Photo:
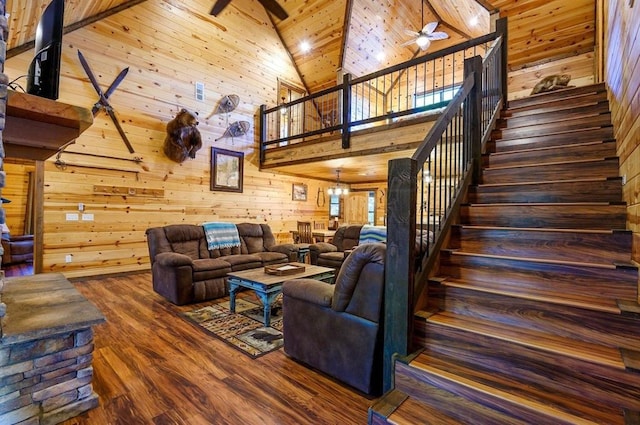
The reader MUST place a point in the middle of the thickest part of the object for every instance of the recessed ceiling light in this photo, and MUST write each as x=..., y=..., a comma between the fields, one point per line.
x=380, y=56
x=474, y=21
x=305, y=46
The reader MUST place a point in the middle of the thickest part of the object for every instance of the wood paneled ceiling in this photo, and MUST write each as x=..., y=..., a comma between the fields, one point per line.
x=349, y=35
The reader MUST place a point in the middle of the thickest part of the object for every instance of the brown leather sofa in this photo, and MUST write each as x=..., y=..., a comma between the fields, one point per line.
x=332, y=254
x=338, y=329
x=185, y=271
x=17, y=249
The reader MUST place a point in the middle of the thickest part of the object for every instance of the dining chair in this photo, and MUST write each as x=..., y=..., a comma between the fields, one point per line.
x=304, y=239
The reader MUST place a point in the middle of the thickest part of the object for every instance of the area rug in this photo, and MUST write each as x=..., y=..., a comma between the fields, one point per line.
x=244, y=329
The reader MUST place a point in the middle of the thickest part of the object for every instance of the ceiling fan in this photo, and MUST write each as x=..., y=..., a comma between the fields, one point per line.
x=425, y=36
x=271, y=5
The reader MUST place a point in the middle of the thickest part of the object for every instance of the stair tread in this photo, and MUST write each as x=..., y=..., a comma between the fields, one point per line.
x=609, y=266
x=595, y=302
x=589, y=352
x=586, y=179
x=538, y=230
x=542, y=164
x=504, y=390
x=547, y=148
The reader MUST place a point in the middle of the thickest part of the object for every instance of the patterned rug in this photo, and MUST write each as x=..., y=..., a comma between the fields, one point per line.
x=243, y=330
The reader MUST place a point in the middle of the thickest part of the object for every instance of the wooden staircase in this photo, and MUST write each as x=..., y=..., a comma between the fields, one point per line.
x=533, y=315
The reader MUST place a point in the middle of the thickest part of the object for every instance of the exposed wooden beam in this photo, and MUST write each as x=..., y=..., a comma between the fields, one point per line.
x=488, y=6
x=77, y=25
x=348, y=10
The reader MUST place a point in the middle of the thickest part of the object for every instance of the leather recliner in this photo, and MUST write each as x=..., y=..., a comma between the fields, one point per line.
x=338, y=329
x=332, y=254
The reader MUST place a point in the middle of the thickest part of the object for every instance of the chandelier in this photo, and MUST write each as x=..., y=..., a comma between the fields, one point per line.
x=337, y=189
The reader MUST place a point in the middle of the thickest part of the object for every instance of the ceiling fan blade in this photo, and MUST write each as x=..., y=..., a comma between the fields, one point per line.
x=411, y=32
x=429, y=28
x=438, y=35
x=406, y=43
x=273, y=7
x=218, y=6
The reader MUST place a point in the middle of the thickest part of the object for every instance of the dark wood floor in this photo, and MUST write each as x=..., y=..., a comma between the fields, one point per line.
x=152, y=367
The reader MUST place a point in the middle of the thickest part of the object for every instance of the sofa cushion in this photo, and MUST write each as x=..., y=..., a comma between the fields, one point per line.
x=242, y=261
x=210, y=268
x=253, y=237
x=272, y=257
x=188, y=240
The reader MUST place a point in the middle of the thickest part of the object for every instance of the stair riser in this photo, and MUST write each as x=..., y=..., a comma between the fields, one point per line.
x=545, y=141
x=536, y=117
x=601, y=217
x=608, y=329
x=604, y=190
x=601, y=120
x=564, y=97
x=558, y=106
x=594, y=151
x=532, y=367
x=524, y=276
x=600, y=248
x=548, y=172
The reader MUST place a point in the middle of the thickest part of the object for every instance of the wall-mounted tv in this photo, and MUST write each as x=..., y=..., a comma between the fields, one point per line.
x=43, y=78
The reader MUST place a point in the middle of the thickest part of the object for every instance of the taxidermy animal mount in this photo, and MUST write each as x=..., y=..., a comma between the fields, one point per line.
x=183, y=138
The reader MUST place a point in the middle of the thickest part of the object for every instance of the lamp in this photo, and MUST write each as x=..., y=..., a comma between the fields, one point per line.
x=283, y=108
x=337, y=189
x=423, y=41
x=427, y=177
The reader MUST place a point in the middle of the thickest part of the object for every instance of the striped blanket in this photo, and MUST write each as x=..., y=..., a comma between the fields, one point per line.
x=221, y=235
x=370, y=234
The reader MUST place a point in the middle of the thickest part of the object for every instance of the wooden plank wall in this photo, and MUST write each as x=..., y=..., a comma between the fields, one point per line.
x=167, y=47
x=622, y=73
x=547, y=38
x=16, y=191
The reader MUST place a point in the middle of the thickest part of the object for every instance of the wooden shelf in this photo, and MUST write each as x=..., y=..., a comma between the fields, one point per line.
x=37, y=127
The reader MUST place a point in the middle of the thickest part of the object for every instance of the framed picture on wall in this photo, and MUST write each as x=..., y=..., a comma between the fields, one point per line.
x=299, y=192
x=227, y=168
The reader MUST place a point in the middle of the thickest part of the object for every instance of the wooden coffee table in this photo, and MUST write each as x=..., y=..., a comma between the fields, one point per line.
x=267, y=286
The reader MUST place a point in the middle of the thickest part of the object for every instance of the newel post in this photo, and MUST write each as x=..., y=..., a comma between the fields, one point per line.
x=399, y=264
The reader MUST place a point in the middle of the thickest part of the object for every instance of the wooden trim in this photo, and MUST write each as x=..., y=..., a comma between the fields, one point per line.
x=38, y=219
x=77, y=25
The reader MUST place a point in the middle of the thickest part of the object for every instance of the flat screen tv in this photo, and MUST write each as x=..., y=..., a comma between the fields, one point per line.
x=43, y=78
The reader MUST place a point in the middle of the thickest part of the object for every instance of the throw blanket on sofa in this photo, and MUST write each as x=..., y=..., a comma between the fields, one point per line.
x=221, y=235
x=369, y=234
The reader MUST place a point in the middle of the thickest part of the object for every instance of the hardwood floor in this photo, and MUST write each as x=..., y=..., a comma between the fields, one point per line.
x=152, y=367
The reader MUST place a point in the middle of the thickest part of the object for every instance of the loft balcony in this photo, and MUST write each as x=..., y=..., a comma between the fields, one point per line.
x=387, y=116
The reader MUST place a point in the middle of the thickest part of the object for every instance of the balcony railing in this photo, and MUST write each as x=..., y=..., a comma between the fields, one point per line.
x=405, y=90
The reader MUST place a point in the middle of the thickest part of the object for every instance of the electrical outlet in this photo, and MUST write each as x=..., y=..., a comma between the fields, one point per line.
x=68, y=258
x=624, y=179
x=80, y=206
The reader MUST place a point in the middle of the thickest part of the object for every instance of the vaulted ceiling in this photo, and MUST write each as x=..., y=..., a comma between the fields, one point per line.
x=362, y=36
x=356, y=36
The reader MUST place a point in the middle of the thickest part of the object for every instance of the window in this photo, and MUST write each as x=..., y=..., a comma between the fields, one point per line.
x=335, y=206
x=371, y=208
x=435, y=97
x=290, y=118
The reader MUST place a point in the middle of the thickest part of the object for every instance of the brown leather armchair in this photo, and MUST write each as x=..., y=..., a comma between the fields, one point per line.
x=17, y=249
x=338, y=328
x=333, y=254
